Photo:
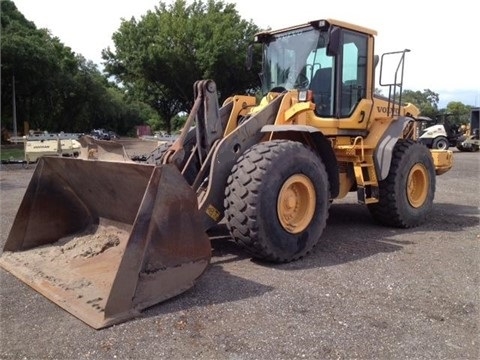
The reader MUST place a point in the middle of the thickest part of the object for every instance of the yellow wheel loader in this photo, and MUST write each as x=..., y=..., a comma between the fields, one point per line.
x=105, y=237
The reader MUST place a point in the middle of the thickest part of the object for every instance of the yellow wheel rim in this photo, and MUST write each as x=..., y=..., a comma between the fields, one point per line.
x=417, y=185
x=296, y=203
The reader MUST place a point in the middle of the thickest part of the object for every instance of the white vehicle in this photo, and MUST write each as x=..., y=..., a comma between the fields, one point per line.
x=35, y=148
x=441, y=134
x=435, y=137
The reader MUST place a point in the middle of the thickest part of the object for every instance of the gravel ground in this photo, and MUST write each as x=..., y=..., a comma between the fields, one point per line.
x=366, y=292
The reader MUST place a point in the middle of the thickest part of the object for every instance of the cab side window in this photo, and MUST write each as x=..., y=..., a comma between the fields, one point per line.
x=354, y=71
x=321, y=75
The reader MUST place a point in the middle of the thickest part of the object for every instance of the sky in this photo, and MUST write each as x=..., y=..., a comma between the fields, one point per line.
x=442, y=36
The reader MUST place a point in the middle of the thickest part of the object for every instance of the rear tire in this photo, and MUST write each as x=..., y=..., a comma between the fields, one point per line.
x=440, y=143
x=277, y=200
x=406, y=195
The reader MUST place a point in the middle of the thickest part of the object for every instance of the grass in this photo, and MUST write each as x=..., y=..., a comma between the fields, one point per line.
x=12, y=153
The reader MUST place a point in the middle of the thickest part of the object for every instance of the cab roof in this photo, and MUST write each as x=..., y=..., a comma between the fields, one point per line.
x=339, y=23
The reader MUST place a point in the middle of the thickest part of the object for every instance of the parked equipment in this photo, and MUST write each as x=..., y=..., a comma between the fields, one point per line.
x=35, y=149
x=470, y=140
x=105, y=237
x=439, y=133
x=43, y=143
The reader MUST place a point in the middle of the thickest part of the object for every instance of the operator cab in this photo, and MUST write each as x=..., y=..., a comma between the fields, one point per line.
x=328, y=57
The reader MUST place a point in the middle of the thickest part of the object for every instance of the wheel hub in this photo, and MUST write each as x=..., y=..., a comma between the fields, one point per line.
x=417, y=185
x=296, y=203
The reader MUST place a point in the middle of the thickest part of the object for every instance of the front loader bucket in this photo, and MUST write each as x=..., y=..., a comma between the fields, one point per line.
x=105, y=240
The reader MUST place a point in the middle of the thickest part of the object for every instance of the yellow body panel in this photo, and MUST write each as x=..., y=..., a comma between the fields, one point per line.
x=443, y=160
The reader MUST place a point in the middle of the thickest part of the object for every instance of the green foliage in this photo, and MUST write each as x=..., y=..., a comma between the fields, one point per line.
x=159, y=57
x=459, y=113
x=179, y=120
x=12, y=153
x=56, y=89
x=426, y=101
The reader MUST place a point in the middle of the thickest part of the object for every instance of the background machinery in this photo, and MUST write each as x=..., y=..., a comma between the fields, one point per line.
x=43, y=143
x=438, y=133
x=469, y=140
x=105, y=237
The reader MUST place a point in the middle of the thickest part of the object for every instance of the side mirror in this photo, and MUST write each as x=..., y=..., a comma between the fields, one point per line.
x=333, y=46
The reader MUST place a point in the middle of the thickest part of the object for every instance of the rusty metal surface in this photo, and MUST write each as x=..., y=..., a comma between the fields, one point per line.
x=105, y=150
x=66, y=195
x=105, y=240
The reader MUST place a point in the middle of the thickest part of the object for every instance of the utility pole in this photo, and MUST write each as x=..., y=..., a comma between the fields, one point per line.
x=15, y=134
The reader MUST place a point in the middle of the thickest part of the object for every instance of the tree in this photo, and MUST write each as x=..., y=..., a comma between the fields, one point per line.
x=56, y=89
x=158, y=58
x=29, y=57
x=460, y=113
x=426, y=101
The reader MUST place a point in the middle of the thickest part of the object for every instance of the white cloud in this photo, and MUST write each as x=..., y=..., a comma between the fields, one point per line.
x=86, y=26
x=442, y=36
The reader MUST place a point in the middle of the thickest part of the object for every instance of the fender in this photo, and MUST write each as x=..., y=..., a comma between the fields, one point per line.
x=383, y=153
x=323, y=147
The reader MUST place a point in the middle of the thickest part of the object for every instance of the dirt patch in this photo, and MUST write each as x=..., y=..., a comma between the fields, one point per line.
x=92, y=242
x=65, y=263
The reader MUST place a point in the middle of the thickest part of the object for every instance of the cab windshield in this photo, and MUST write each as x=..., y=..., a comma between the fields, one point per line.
x=291, y=59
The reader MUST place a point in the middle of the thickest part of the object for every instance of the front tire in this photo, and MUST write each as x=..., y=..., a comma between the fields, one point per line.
x=155, y=157
x=406, y=195
x=277, y=200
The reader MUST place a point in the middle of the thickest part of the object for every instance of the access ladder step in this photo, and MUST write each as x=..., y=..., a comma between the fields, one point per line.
x=367, y=183
x=367, y=194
